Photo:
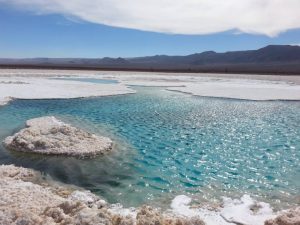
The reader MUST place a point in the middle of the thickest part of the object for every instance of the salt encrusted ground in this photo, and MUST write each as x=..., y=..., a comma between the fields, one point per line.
x=28, y=198
x=50, y=136
x=289, y=217
x=24, y=201
x=31, y=86
x=35, y=84
x=242, y=89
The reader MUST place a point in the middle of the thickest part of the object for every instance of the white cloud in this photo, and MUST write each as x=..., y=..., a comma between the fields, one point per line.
x=269, y=17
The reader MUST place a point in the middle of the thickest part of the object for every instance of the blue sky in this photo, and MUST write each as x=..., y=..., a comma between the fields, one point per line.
x=27, y=34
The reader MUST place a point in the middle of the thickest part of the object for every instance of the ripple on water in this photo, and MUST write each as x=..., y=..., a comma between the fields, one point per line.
x=170, y=143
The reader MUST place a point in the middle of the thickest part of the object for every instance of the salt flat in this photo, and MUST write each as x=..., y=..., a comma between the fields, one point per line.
x=257, y=88
x=31, y=86
x=243, y=89
x=37, y=84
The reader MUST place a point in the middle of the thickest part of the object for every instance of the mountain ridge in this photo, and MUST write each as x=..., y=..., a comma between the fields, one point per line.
x=270, y=59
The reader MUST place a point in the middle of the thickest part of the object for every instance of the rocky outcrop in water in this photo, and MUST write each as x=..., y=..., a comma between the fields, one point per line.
x=290, y=217
x=27, y=201
x=48, y=135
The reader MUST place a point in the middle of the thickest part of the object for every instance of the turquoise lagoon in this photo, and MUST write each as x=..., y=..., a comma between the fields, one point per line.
x=169, y=143
x=88, y=80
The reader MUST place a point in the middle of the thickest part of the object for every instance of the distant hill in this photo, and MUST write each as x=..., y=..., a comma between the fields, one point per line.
x=276, y=59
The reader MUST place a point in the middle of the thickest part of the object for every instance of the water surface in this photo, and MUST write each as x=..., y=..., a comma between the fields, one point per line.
x=88, y=80
x=168, y=143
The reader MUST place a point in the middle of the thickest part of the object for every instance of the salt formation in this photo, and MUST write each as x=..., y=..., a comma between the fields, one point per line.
x=27, y=198
x=149, y=216
x=289, y=217
x=48, y=135
x=35, y=84
x=25, y=202
x=244, y=211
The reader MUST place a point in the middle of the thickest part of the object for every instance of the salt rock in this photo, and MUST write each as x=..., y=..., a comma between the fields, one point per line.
x=289, y=217
x=50, y=136
x=25, y=203
x=147, y=215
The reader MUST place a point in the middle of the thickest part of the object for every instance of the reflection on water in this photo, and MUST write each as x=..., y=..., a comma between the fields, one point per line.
x=169, y=143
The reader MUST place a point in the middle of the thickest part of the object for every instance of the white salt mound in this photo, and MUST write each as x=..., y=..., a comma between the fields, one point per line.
x=48, y=135
x=23, y=202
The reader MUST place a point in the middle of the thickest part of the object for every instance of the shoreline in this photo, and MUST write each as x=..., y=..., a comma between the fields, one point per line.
x=37, y=99
x=53, y=202
x=53, y=194
x=241, y=99
x=188, y=91
x=14, y=86
x=35, y=84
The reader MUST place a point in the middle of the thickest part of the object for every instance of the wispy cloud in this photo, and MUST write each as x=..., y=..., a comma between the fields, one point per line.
x=268, y=17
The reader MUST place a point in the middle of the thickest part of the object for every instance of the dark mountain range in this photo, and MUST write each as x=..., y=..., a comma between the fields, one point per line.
x=276, y=59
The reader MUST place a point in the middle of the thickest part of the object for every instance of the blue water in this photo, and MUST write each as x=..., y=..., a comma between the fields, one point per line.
x=168, y=143
x=88, y=80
